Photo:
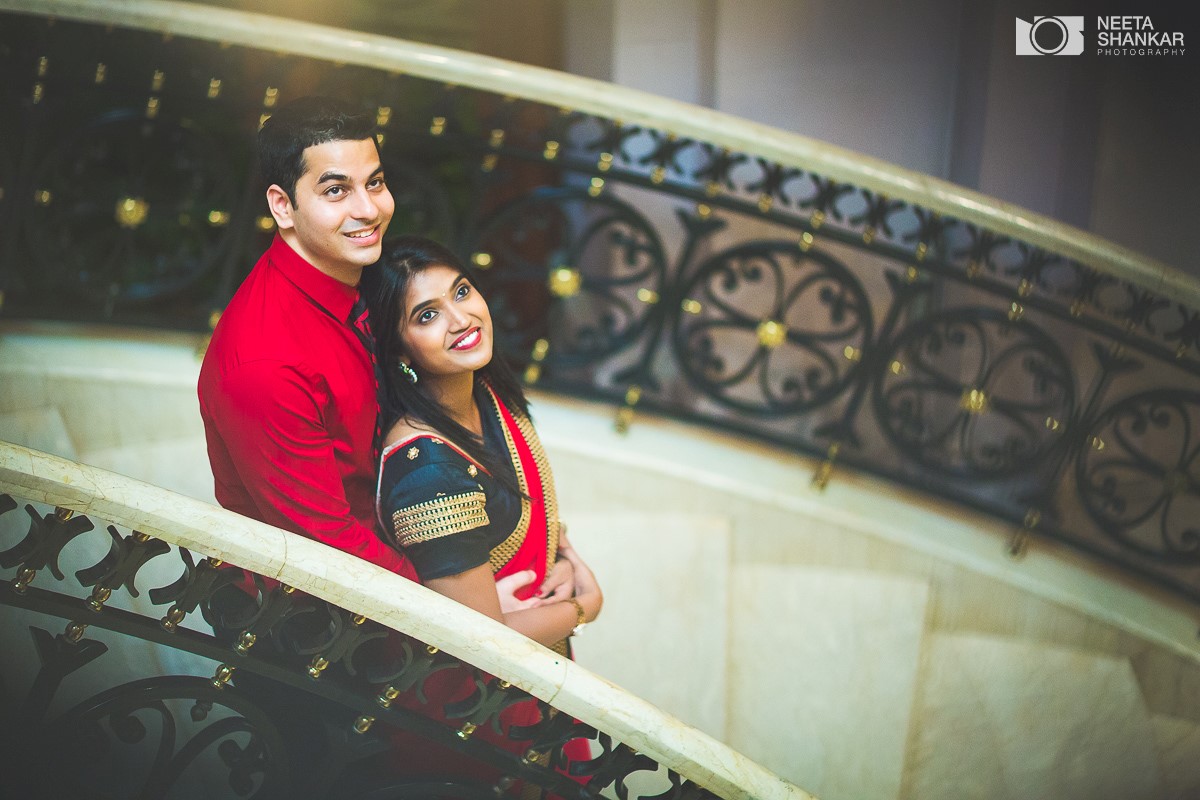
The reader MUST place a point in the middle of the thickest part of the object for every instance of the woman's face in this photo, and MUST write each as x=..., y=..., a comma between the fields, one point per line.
x=445, y=326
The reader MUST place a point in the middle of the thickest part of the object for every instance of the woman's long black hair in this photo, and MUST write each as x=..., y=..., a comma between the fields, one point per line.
x=385, y=287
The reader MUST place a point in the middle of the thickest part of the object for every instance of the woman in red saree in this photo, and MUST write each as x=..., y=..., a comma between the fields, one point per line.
x=465, y=490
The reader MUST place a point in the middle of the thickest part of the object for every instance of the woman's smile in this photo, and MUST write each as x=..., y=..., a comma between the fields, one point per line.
x=469, y=340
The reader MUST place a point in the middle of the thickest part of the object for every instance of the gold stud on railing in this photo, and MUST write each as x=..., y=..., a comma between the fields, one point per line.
x=465, y=731
x=1077, y=308
x=270, y=97
x=1052, y=424
x=245, y=642
x=1096, y=443
x=896, y=367
x=625, y=414
x=817, y=219
x=358, y=620
x=647, y=296
x=550, y=151
x=1019, y=542
x=23, y=579
x=317, y=666
x=262, y=120
x=912, y=275
x=63, y=514
x=1024, y=288
x=39, y=91
x=221, y=678
x=489, y=162
x=388, y=696
x=431, y=649
x=43, y=197
x=43, y=66
x=152, y=104
x=691, y=306
x=264, y=223
x=157, y=80
x=604, y=164
x=74, y=632
x=806, y=241
x=503, y=685
x=922, y=251
x=171, y=621
x=214, y=88
x=363, y=724
x=765, y=202
x=771, y=333
x=1015, y=312
x=565, y=282
x=658, y=174
x=99, y=597
x=852, y=353
x=703, y=210
x=101, y=73
x=383, y=116
x=820, y=479
x=534, y=371
x=482, y=259
x=437, y=126
x=868, y=235
x=974, y=401
x=595, y=187
x=496, y=138
x=217, y=218
x=131, y=212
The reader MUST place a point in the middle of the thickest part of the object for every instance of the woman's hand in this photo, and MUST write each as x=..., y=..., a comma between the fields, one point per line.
x=560, y=583
x=587, y=588
x=507, y=588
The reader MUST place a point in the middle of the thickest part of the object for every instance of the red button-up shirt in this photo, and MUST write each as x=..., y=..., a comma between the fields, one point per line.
x=287, y=394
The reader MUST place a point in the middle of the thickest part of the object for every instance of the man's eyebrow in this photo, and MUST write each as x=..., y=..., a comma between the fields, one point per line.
x=419, y=307
x=332, y=176
x=341, y=177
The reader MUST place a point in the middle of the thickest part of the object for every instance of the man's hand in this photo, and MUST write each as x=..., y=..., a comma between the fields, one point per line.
x=507, y=588
x=560, y=583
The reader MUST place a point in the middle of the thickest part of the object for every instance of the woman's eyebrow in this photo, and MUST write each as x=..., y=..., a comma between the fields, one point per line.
x=419, y=307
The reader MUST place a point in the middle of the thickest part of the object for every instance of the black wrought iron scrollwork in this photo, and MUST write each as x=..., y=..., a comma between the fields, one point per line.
x=623, y=262
x=306, y=699
x=130, y=209
x=588, y=269
x=1139, y=477
x=971, y=392
x=769, y=329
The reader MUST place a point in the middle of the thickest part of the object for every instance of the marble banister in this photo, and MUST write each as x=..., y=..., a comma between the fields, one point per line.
x=391, y=600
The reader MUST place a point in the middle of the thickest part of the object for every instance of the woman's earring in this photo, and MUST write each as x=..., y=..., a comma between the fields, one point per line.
x=408, y=372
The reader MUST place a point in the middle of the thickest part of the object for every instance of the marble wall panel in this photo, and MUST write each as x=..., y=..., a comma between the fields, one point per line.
x=662, y=633
x=39, y=428
x=824, y=665
x=1002, y=719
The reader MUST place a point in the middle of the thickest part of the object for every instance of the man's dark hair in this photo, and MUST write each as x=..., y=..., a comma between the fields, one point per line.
x=303, y=123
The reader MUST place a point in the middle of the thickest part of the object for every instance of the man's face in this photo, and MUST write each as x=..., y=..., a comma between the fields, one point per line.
x=342, y=208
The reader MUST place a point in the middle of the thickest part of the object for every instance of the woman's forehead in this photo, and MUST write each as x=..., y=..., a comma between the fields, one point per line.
x=432, y=283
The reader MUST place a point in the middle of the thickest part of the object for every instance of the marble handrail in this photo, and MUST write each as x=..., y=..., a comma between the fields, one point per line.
x=391, y=600
x=633, y=106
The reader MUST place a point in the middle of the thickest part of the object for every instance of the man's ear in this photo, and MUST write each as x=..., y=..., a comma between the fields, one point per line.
x=281, y=207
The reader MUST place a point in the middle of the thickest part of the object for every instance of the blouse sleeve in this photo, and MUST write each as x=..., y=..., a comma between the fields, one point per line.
x=437, y=515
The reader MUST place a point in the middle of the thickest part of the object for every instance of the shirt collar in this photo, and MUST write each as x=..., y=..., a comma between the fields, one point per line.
x=329, y=293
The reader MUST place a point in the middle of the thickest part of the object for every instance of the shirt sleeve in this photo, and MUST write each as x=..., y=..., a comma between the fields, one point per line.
x=271, y=418
x=438, y=515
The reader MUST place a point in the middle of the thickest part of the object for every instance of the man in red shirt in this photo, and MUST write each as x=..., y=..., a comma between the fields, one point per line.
x=287, y=388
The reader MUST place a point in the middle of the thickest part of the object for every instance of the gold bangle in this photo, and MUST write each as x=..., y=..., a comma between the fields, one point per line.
x=580, y=616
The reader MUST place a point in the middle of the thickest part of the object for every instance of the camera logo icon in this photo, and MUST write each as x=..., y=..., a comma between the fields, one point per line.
x=1050, y=36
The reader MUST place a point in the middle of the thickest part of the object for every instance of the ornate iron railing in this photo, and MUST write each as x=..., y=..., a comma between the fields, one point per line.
x=306, y=689
x=669, y=258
